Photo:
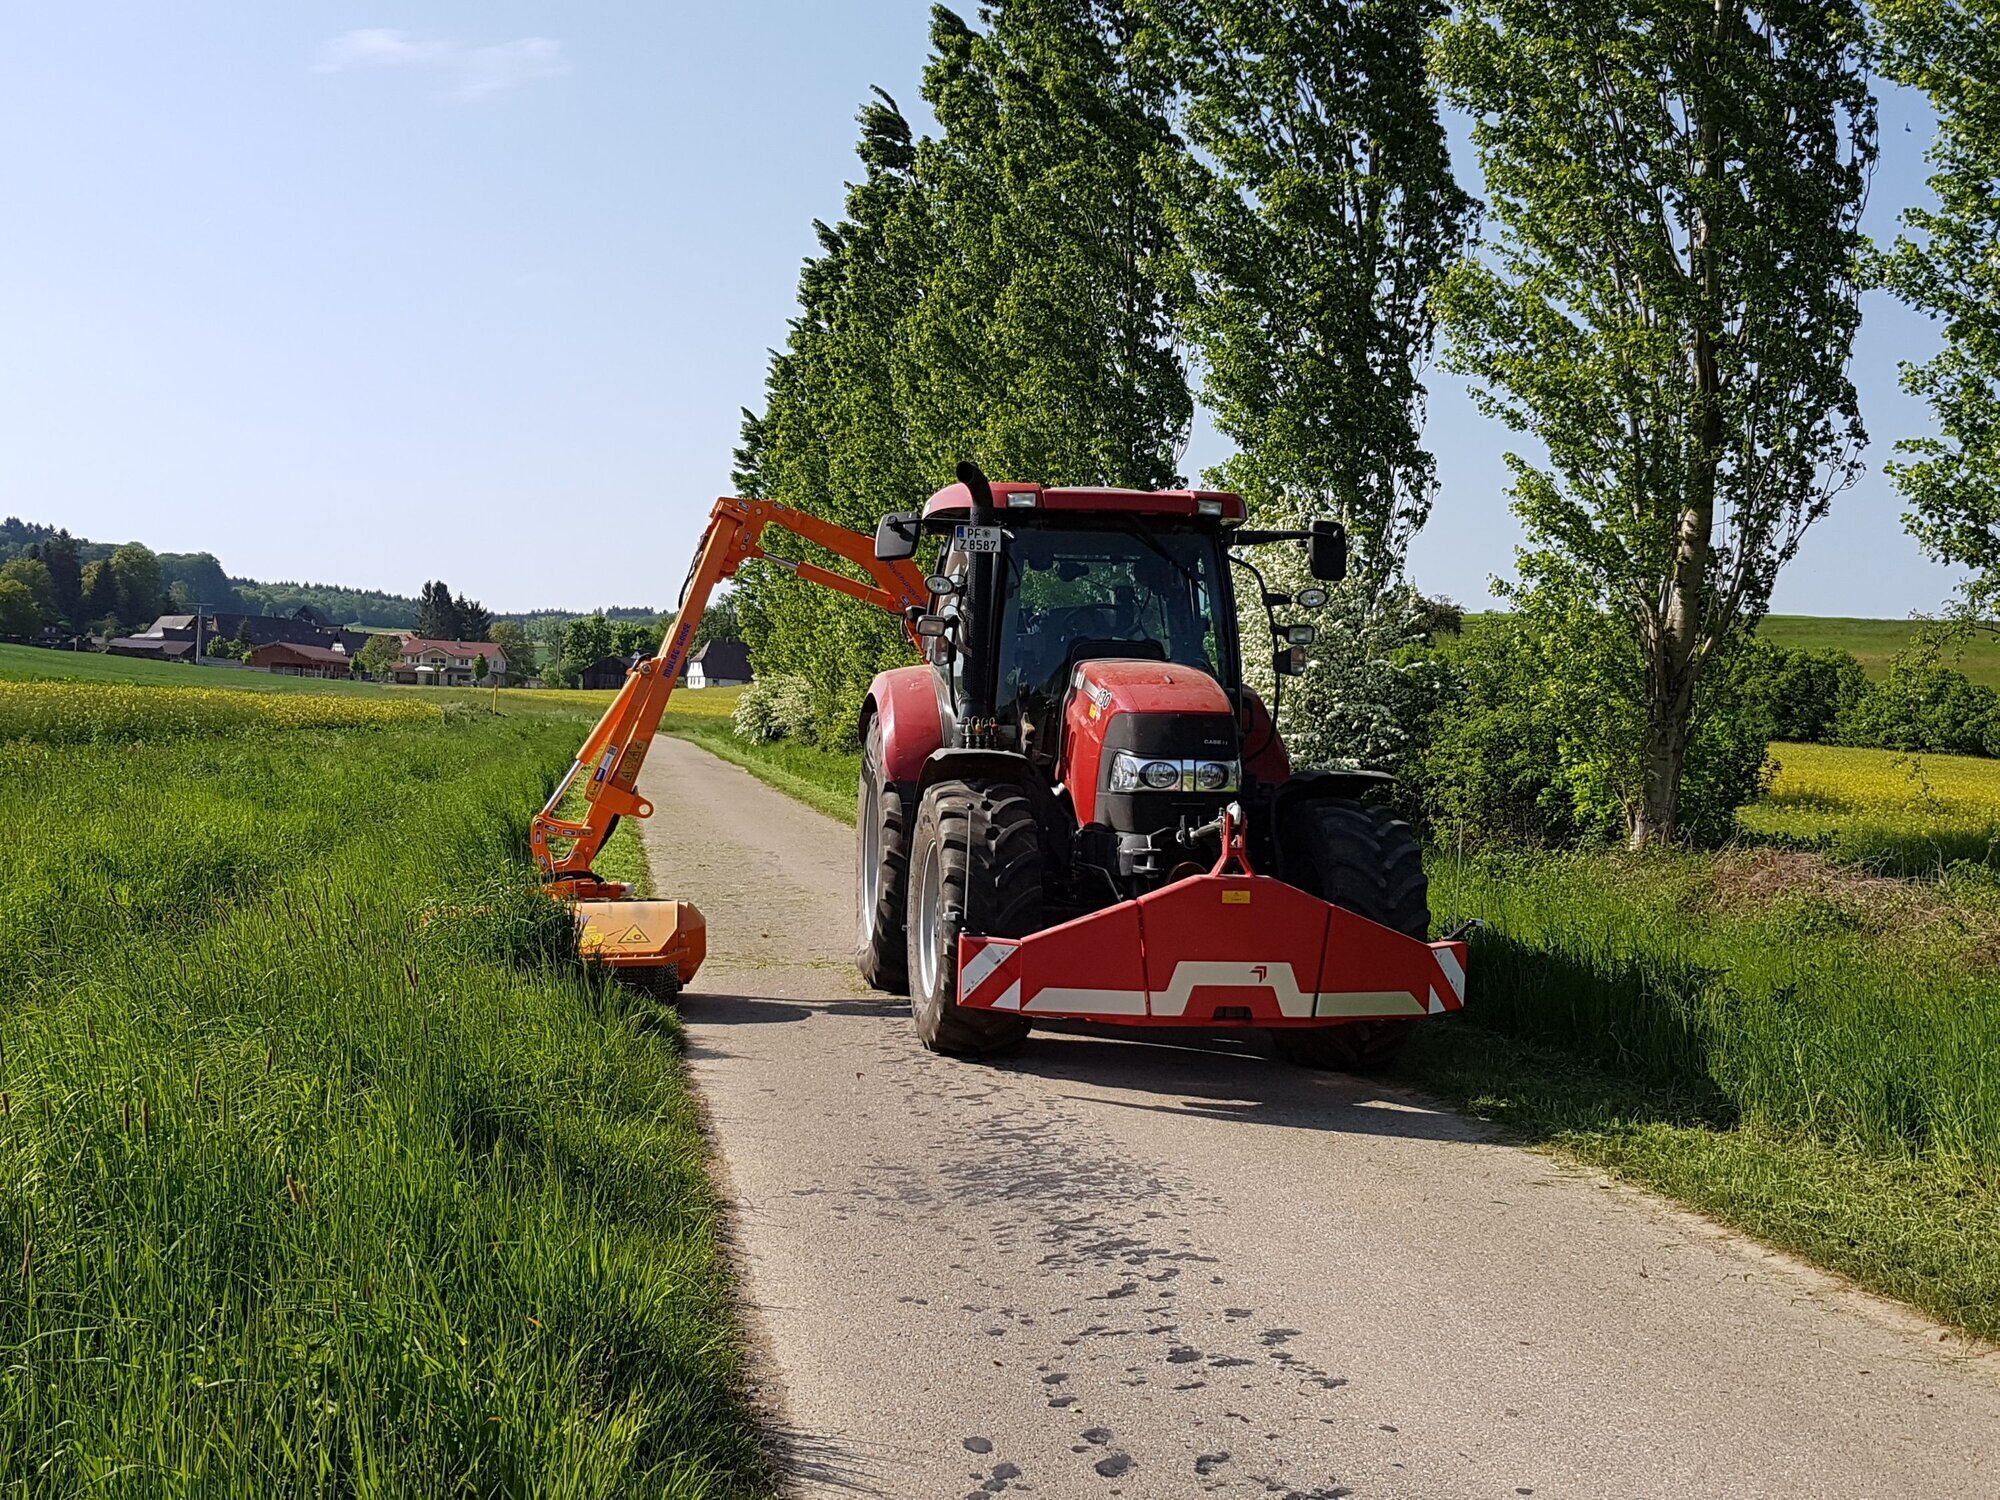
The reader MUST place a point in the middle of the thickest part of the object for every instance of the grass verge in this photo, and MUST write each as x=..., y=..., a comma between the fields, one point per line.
x=1926, y=1232
x=822, y=779
x=324, y=1166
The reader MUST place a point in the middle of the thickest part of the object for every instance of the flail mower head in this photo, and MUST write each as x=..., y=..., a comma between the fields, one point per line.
x=652, y=937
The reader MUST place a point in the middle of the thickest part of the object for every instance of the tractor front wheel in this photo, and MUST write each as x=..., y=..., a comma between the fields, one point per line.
x=975, y=866
x=882, y=842
x=1365, y=859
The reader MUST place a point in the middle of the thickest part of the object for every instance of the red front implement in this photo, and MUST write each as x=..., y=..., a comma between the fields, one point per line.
x=1221, y=949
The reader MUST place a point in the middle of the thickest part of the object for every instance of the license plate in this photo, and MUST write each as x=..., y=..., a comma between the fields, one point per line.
x=976, y=538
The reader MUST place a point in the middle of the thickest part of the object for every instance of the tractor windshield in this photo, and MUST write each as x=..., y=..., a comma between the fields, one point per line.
x=1150, y=587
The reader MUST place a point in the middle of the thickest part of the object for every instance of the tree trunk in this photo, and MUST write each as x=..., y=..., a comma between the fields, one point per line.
x=1663, y=754
x=1673, y=665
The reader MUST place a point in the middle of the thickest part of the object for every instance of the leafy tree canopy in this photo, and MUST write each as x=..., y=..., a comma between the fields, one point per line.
x=1948, y=267
x=1669, y=308
x=19, y=615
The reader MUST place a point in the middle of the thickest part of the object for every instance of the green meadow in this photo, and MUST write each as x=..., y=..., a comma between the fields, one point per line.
x=325, y=1167
x=1877, y=643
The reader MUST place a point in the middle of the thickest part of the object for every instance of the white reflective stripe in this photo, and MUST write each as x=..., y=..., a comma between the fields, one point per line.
x=982, y=963
x=1454, y=972
x=1010, y=998
x=1192, y=974
x=1089, y=1002
x=1436, y=1005
x=1367, y=1003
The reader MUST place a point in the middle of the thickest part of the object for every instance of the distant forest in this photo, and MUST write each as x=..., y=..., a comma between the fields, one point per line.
x=198, y=578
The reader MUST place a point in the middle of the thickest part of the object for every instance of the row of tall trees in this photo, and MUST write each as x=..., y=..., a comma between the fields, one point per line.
x=1128, y=200
x=994, y=291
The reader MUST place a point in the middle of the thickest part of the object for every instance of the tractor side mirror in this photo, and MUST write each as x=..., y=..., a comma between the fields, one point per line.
x=896, y=537
x=936, y=632
x=1289, y=661
x=1327, y=551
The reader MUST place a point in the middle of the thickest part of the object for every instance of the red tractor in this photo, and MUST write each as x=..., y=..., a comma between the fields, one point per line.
x=1076, y=809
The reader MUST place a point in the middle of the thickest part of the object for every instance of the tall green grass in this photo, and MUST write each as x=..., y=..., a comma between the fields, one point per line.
x=1815, y=1010
x=324, y=1167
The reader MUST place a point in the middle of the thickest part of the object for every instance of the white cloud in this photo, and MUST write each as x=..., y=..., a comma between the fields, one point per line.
x=488, y=70
x=472, y=72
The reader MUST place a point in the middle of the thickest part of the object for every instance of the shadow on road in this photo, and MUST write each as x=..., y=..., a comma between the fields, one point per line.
x=1230, y=1077
x=823, y=1461
x=710, y=1008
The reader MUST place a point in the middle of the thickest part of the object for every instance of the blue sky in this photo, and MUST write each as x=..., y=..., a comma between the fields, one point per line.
x=475, y=291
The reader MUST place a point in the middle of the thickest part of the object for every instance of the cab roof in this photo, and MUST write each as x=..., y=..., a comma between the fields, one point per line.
x=956, y=500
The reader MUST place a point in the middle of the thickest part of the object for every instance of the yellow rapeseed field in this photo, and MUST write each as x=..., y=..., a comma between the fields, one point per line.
x=1909, y=812
x=74, y=713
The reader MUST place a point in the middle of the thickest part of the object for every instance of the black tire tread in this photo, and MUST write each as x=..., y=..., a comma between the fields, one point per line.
x=1365, y=859
x=992, y=872
x=880, y=949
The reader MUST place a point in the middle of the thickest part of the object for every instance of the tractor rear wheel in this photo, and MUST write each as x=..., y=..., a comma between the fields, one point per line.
x=975, y=866
x=882, y=841
x=1366, y=860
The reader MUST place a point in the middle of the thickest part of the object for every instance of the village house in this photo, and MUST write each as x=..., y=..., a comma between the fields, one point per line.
x=606, y=672
x=719, y=664
x=447, y=663
x=288, y=660
x=186, y=638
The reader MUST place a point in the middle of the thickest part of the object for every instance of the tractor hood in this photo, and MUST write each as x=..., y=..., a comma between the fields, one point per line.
x=1147, y=687
x=1153, y=709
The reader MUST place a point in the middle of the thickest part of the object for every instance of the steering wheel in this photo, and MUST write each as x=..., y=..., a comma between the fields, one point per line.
x=1084, y=622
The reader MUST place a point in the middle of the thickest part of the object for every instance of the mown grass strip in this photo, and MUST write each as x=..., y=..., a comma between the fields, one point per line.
x=824, y=780
x=324, y=1167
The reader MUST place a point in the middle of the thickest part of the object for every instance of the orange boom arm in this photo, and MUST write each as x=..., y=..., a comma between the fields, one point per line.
x=616, y=748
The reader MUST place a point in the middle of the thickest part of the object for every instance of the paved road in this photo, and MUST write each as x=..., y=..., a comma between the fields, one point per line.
x=1119, y=1268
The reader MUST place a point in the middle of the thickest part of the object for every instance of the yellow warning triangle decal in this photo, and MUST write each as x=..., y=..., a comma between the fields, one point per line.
x=633, y=935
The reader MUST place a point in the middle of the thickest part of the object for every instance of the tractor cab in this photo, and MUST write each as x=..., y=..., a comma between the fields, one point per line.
x=1076, y=581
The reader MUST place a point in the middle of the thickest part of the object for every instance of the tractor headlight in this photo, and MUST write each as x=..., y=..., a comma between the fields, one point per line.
x=1215, y=776
x=1132, y=773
